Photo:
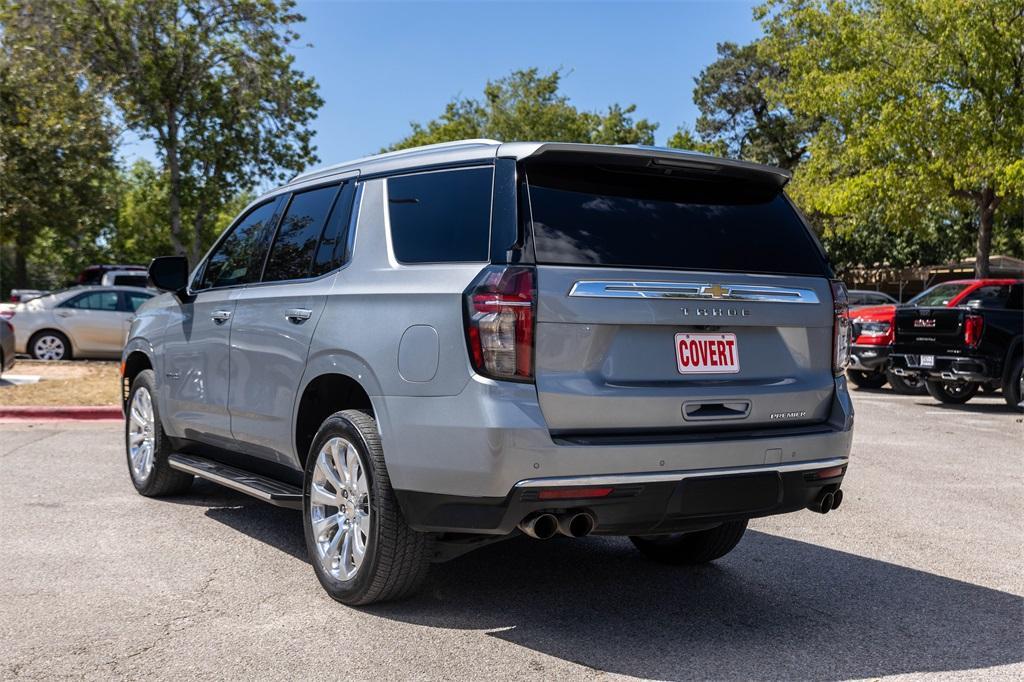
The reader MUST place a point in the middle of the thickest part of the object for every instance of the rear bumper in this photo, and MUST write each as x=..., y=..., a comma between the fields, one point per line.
x=638, y=504
x=457, y=461
x=948, y=368
x=869, y=358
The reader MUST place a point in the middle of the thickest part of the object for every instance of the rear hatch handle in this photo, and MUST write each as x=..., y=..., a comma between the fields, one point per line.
x=712, y=411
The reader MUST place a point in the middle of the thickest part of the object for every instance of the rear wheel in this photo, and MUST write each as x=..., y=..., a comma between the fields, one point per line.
x=863, y=379
x=362, y=549
x=1013, y=387
x=951, y=392
x=699, y=547
x=49, y=345
x=909, y=385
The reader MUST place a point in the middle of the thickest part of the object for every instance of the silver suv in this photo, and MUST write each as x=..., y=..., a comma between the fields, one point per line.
x=430, y=350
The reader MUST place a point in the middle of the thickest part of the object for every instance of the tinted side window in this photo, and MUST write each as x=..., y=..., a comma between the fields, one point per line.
x=239, y=258
x=441, y=217
x=988, y=296
x=1015, y=301
x=97, y=300
x=134, y=299
x=297, y=237
x=331, y=251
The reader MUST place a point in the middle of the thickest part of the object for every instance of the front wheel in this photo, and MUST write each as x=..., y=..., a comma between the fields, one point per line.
x=362, y=549
x=147, y=446
x=908, y=385
x=863, y=379
x=700, y=547
x=951, y=392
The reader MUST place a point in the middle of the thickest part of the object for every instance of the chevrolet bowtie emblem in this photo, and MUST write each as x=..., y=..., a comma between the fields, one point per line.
x=715, y=291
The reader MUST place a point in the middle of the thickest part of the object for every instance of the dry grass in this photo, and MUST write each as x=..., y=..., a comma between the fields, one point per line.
x=75, y=382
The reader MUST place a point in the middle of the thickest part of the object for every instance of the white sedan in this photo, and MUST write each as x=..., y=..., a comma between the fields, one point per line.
x=81, y=322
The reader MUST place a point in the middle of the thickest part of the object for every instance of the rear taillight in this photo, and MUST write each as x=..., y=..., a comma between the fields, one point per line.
x=973, y=326
x=500, y=308
x=840, y=327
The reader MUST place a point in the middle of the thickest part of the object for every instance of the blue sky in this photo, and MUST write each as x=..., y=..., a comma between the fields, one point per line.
x=381, y=65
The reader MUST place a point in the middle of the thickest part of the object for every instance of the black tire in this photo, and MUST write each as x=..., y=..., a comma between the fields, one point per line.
x=38, y=336
x=1013, y=387
x=906, y=385
x=397, y=559
x=862, y=379
x=951, y=392
x=700, y=547
x=160, y=480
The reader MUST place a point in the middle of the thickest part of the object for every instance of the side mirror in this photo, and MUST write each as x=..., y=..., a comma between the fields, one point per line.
x=170, y=273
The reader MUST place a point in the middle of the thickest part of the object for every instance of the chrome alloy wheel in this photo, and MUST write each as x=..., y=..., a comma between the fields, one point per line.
x=141, y=434
x=49, y=348
x=339, y=509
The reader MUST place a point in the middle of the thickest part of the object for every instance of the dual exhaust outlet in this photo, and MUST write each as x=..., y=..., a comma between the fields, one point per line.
x=545, y=525
x=826, y=502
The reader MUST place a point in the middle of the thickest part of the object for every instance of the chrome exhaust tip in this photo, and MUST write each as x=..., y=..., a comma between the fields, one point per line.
x=576, y=525
x=540, y=527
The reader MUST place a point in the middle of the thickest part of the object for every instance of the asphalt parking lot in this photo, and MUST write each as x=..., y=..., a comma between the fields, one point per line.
x=919, y=572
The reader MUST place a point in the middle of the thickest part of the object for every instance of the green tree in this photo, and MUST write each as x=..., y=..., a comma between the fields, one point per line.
x=736, y=113
x=142, y=229
x=684, y=138
x=56, y=155
x=527, y=105
x=211, y=83
x=921, y=104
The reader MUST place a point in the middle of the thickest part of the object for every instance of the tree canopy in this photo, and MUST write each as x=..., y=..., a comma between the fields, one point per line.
x=212, y=83
x=920, y=105
x=528, y=105
x=56, y=151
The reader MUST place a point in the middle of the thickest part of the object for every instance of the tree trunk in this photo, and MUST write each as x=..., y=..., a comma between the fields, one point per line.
x=20, y=267
x=987, y=202
x=174, y=167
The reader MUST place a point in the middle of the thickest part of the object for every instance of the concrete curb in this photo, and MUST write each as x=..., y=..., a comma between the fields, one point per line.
x=60, y=412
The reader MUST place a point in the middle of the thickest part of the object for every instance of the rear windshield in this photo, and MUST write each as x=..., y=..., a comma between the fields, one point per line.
x=589, y=215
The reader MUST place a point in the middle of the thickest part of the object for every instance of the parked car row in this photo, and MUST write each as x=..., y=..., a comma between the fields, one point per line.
x=80, y=322
x=949, y=320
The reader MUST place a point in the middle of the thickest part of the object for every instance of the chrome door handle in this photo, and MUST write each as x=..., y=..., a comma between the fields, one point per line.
x=220, y=316
x=297, y=315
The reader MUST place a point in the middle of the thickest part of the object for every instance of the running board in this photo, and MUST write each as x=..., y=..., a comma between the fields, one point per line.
x=260, y=487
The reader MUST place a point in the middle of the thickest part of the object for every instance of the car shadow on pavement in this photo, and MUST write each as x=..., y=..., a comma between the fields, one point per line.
x=277, y=527
x=1000, y=407
x=774, y=609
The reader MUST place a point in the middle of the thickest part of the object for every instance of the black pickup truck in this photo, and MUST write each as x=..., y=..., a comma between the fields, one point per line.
x=959, y=350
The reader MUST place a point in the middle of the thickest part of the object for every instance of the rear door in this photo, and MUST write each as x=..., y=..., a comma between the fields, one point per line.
x=275, y=319
x=671, y=304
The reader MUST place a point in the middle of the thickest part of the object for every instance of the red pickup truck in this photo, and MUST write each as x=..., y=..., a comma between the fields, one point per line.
x=873, y=332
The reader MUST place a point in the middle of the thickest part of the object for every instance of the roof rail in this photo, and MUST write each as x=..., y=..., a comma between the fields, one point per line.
x=478, y=142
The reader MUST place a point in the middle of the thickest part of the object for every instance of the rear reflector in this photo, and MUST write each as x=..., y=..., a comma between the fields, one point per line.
x=829, y=473
x=573, y=493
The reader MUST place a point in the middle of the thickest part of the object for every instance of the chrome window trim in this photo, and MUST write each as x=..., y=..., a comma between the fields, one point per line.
x=629, y=479
x=699, y=291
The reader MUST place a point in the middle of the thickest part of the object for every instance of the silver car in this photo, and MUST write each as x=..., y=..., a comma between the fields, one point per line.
x=430, y=350
x=81, y=322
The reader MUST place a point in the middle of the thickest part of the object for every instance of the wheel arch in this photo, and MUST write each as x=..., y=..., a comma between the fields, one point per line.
x=1016, y=348
x=322, y=396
